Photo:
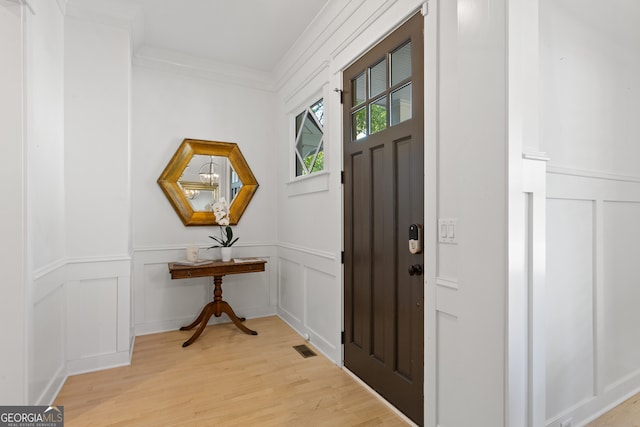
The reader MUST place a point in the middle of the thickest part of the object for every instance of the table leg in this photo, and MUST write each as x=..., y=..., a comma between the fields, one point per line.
x=224, y=307
x=204, y=317
x=215, y=308
x=197, y=321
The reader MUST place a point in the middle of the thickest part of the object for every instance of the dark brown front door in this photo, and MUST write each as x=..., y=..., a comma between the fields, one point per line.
x=383, y=196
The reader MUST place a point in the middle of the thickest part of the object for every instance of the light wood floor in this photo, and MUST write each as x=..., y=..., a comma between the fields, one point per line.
x=625, y=415
x=225, y=378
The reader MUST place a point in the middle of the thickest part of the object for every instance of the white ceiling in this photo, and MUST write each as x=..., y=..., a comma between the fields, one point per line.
x=249, y=33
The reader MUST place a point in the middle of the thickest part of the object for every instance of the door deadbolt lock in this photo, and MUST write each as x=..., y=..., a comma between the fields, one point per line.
x=415, y=270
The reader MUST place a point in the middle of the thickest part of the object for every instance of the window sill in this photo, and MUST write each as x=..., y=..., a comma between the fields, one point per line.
x=314, y=183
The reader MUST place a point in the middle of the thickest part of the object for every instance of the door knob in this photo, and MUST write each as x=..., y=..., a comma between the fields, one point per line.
x=415, y=269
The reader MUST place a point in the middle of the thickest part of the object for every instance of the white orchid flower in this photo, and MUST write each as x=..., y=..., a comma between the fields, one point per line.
x=221, y=211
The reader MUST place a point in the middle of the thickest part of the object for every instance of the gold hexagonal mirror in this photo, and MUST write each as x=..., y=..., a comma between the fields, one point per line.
x=200, y=173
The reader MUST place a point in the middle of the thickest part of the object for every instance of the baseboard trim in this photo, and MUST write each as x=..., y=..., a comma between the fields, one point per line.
x=319, y=343
x=48, y=396
x=99, y=363
x=612, y=405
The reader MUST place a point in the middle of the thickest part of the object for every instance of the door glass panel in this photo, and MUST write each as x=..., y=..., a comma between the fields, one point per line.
x=401, y=104
x=401, y=64
x=378, y=115
x=378, y=78
x=358, y=89
x=359, y=124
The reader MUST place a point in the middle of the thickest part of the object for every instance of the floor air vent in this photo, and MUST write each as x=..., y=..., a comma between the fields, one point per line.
x=304, y=350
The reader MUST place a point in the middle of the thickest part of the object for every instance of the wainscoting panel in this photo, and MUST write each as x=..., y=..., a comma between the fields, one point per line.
x=622, y=292
x=592, y=334
x=309, y=285
x=447, y=296
x=165, y=299
x=48, y=346
x=92, y=317
x=291, y=291
x=526, y=357
x=447, y=367
x=47, y=364
x=323, y=315
x=569, y=304
x=162, y=304
x=98, y=314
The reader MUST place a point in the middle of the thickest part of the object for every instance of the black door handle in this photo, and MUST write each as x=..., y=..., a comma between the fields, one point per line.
x=415, y=269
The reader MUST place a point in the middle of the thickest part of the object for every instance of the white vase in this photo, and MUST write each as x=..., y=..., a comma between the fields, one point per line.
x=226, y=253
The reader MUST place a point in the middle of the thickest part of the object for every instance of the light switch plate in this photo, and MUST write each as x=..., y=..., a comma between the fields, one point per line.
x=448, y=230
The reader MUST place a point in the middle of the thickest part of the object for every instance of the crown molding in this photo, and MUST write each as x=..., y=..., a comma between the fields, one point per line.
x=180, y=63
x=20, y=3
x=62, y=4
x=321, y=29
x=114, y=13
x=332, y=22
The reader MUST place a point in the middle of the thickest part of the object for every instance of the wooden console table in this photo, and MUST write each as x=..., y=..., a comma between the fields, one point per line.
x=217, y=269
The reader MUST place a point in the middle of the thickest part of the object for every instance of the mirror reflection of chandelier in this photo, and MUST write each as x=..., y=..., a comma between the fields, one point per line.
x=208, y=173
x=190, y=194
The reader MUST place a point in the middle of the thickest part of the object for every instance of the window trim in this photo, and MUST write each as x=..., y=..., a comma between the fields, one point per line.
x=306, y=184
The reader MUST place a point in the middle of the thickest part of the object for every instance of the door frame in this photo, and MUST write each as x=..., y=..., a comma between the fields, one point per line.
x=430, y=236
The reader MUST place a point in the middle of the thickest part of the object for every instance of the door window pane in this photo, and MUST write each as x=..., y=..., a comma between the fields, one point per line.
x=358, y=89
x=401, y=104
x=401, y=64
x=381, y=95
x=378, y=115
x=377, y=78
x=359, y=124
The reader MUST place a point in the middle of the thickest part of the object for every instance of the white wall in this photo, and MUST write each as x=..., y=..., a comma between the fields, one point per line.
x=591, y=81
x=471, y=277
x=169, y=106
x=589, y=128
x=13, y=298
x=97, y=97
x=97, y=183
x=38, y=307
x=525, y=357
x=44, y=59
x=45, y=132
